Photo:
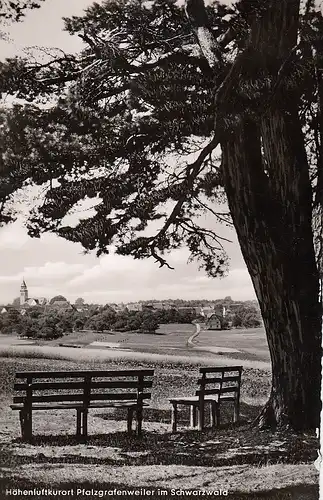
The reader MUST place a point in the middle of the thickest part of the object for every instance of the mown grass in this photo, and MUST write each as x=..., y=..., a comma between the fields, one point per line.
x=241, y=458
x=171, y=378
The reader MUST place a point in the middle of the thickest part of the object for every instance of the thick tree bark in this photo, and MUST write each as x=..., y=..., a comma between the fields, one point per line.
x=266, y=179
x=280, y=258
x=267, y=183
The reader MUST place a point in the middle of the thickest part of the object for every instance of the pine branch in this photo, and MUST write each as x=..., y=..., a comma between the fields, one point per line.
x=192, y=171
x=211, y=47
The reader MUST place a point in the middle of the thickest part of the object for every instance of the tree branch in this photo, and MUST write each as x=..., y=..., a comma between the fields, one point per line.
x=210, y=46
x=220, y=216
x=192, y=171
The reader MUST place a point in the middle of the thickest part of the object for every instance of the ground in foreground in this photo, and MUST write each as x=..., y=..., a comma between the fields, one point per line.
x=239, y=460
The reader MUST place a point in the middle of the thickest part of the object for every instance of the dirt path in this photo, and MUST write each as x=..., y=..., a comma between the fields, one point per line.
x=191, y=340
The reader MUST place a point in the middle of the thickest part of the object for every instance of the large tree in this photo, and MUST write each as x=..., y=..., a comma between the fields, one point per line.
x=135, y=124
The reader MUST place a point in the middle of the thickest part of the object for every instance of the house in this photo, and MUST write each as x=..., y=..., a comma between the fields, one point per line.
x=118, y=307
x=31, y=302
x=215, y=322
x=135, y=306
x=183, y=309
x=207, y=312
x=158, y=306
x=6, y=309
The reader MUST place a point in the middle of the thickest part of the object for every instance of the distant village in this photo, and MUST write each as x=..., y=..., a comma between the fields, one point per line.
x=217, y=315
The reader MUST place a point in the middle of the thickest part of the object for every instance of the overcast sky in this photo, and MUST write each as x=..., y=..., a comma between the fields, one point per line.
x=53, y=266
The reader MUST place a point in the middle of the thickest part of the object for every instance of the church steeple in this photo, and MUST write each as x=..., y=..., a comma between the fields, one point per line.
x=23, y=292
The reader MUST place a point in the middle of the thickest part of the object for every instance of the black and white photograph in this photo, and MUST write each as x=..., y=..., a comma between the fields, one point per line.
x=161, y=249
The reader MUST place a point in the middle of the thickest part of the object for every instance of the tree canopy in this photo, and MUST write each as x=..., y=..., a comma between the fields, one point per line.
x=129, y=110
x=57, y=298
x=79, y=301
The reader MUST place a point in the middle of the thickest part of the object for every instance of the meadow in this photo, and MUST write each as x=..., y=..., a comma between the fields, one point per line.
x=237, y=459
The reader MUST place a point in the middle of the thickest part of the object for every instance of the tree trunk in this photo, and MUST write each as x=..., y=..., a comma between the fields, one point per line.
x=276, y=242
x=266, y=179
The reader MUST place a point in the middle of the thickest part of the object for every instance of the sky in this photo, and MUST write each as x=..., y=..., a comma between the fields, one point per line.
x=52, y=266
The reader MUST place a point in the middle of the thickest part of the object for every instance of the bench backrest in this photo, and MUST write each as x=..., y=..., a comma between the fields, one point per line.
x=84, y=387
x=221, y=381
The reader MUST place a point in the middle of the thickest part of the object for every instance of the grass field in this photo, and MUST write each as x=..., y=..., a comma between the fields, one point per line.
x=250, y=343
x=239, y=460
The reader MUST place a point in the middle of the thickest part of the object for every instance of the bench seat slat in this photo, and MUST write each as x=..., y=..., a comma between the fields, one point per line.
x=193, y=399
x=80, y=397
x=71, y=406
x=213, y=380
x=208, y=392
x=216, y=391
x=225, y=390
x=109, y=384
x=82, y=374
x=218, y=380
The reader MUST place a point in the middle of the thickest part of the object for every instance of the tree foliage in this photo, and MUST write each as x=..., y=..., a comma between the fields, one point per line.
x=128, y=111
x=15, y=9
x=79, y=301
x=16, y=302
x=57, y=298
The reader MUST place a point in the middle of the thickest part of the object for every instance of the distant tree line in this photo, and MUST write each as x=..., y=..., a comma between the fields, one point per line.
x=49, y=323
x=245, y=316
x=44, y=323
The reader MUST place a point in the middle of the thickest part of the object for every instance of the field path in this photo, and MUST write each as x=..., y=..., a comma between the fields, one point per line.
x=190, y=342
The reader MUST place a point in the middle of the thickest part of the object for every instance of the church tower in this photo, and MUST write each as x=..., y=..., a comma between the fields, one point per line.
x=23, y=293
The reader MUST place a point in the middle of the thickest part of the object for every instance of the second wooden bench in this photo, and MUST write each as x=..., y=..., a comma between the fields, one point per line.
x=216, y=386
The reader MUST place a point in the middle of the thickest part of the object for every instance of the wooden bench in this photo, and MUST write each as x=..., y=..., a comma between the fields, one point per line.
x=81, y=391
x=217, y=385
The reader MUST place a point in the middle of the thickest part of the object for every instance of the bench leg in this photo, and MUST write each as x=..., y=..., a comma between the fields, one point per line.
x=84, y=426
x=236, y=411
x=217, y=410
x=139, y=420
x=214, y=414
x=201, y=416
x=193, y=416
x=78, y=422
x=22, y=418
x=174, y=416
x=129, y=420
x=26, y=425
